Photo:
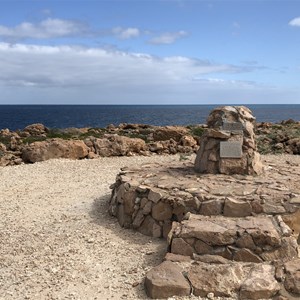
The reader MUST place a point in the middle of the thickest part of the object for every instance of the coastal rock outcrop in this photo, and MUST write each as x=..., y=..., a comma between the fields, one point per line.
x=115, y=145
x=37, y=129
x=54, y=148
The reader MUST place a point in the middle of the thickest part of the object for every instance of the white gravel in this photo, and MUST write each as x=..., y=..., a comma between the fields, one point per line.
x=57, y=240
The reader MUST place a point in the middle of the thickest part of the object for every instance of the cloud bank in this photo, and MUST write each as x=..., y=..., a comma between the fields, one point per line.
x=295, y=22
x=49, y=28
x=168, y=38
x=57, y=28
x=73, y=74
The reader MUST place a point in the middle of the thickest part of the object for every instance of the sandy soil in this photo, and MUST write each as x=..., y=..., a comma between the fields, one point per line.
x=57, y=240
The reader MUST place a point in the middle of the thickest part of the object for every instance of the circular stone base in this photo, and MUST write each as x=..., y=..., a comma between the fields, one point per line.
x=150, y=197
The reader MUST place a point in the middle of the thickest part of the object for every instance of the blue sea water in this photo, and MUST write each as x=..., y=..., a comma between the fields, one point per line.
x=64, y=116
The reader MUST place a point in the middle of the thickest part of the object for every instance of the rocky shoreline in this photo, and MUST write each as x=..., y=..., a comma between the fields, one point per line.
x=36, y=142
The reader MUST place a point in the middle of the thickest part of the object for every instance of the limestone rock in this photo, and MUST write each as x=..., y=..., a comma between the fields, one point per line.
x=54, y=148
x=237, y=208
x=292, y=280
x=223, y=280
x=188, y=141
x=36, y=129
x=169, y=132
x=115, y=145
x=212, y=207
x=261, y=283
x=166, y=280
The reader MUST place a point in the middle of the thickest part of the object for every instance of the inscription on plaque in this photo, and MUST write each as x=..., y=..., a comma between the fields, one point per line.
x=233, y=126
x=231, y=150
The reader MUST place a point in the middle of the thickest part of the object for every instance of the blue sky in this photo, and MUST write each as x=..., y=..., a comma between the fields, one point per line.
x=149, y=52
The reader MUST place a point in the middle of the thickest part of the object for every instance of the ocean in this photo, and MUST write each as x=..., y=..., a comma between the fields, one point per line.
x=63, y=116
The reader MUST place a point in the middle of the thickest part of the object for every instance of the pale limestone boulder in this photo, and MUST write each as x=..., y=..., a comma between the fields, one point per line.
x=292, y=280
x=169, y=132
x=188, y=141
x=54, y=148
x=166, y=280
x=260, y=284
x=224, y=280
x=37, y=129
x=2, y=148
x=115, y=145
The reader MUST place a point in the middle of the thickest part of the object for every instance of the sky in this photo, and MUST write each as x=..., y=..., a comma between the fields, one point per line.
x=150, y=52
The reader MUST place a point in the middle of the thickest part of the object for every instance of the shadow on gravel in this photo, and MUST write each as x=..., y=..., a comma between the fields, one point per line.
x=99, y=214
x=152, y=249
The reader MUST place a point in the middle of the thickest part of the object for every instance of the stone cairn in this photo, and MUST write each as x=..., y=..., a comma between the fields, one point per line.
x=232, y=230
x=228, y=146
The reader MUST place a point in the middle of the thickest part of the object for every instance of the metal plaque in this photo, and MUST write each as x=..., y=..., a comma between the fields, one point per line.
x=233, y=126
x=231, y=150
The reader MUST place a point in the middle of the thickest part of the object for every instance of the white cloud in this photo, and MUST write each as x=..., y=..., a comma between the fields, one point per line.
x=48, y=28
x=168, y=37
x=72, y=74
x=126, y=33
x=236, y=25
x=295, y=22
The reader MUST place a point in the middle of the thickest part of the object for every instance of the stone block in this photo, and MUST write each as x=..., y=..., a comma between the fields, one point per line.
x=180, y=246
x=237, y=208
x=166, y=280
x=154, y=196
x=138, y=220
x=212, y=207
x=161, y=211
x=292, y=280
x=149, y=227
x=260, y=284
x=223, y=280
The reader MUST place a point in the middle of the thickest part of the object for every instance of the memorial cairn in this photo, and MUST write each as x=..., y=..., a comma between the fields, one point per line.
x=228, y=146
x=231, y=224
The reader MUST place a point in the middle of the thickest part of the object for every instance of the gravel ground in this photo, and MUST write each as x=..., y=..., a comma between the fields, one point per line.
x=57, y=240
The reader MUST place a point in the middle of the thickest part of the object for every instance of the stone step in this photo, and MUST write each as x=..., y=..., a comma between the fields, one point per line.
x=249, y=239
x=178, y=276
x=148, y=198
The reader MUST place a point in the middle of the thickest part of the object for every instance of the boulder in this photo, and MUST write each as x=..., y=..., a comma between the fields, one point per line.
x=170, y=132
x=224, y=280
x=36, y=129
x=260, y=284
x=166, y=280
x=292, y=280
x=115, y=145
x=54, y=148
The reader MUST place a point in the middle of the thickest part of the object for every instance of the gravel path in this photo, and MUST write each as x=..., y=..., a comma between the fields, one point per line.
x=57, y=240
